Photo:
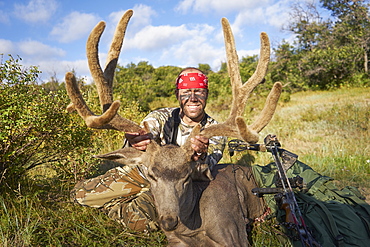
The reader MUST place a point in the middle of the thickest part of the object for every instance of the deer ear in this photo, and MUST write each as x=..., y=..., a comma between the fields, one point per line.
x=126, y=156
x=202, y=172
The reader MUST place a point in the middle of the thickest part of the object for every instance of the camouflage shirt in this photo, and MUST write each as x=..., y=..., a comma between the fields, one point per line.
x=157, y=121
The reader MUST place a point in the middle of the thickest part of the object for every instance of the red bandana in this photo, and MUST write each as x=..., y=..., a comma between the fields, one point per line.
x=192, y=80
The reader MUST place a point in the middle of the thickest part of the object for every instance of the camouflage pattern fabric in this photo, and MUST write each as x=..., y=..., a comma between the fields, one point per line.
x=123, y=193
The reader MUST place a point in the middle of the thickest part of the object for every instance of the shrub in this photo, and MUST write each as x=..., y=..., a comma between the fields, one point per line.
x=34, y=127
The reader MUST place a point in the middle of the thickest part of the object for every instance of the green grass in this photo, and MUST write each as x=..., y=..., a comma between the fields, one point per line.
x=328, y=130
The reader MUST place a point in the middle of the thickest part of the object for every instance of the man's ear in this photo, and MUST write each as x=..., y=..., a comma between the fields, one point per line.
x=126, y=156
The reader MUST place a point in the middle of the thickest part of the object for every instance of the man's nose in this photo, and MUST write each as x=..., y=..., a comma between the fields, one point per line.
x=193, y=97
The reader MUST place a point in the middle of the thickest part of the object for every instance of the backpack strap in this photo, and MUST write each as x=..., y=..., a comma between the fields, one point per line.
x=171, y=127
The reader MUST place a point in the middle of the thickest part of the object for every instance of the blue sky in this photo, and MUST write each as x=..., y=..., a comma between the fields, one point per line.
x=52, y=33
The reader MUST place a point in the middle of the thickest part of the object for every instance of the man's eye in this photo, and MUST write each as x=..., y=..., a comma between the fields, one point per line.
x=186, y=93
x=200, y=93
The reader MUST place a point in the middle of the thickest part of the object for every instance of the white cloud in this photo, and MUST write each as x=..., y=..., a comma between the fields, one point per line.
x=219, y=6
x=59, y=68
x=186, y=46
x=36, y=10
x=37, y=50
x=185, y=5
x=191, y=52
x=76, y=25
x=278, y=13
x=248, y=12
x=6, y=47
x=263, y=18
x=47, y=58
x=249, y=17
x=153, y=38
x=182, y=45
x=142, y=16
x=115, y=17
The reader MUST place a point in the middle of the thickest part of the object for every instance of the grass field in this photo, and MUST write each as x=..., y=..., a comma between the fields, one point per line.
x=329, y=130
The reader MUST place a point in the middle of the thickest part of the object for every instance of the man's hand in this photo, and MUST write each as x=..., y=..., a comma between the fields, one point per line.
x=200, y=147
x=138, y=141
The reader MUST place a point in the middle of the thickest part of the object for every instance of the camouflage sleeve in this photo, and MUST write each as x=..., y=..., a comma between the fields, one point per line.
x=155, y=125
x=156, y=120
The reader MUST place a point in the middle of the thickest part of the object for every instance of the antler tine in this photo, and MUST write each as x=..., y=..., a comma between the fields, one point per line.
x=235, y=125
x=110, y=119
x=105, y=91
x=115, y=48
x=268, y=111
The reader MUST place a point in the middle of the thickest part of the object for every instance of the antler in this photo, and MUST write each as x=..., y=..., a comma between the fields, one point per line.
x=235, y=125
x=110, y=119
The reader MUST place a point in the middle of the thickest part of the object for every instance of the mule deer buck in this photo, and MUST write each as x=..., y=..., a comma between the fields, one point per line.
x=196, y=206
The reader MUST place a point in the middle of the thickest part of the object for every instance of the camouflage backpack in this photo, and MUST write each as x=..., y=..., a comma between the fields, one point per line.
x=336, y=217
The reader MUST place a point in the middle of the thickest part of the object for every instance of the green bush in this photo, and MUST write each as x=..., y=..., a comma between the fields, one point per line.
x=34, y=127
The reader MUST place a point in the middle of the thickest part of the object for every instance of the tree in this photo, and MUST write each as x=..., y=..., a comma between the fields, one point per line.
x=352, y=23
x=308, y=25
x=205, y=68
x=144, y=84
x=286, y=67
x=330, y=52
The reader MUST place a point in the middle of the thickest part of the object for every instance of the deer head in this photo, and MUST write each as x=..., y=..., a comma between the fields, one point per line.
x=170, y=164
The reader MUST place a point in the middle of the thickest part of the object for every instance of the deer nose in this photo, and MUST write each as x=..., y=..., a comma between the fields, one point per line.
x=168, y=223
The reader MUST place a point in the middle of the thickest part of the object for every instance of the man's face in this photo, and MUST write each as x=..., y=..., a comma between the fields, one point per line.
x=193, y=102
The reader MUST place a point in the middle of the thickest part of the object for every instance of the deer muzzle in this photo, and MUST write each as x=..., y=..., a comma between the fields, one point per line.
x=168, y=223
